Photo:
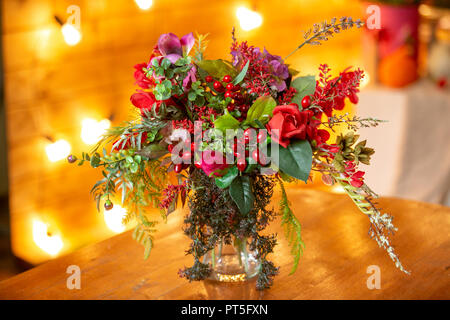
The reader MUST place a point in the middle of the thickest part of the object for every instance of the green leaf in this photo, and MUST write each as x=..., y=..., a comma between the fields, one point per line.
x=241, y=74
x=95, y=161
x=165, y=63
x=227, y=121
x=134, y=167
x=261, y=110
x=227, y=179
x=305, y=86
x=217, y=68
x=242, y=194
x=296, y=159
x=153, y=151
x=192, y=96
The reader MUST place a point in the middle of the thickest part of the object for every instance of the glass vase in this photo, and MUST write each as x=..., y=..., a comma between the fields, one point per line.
x=234, y=273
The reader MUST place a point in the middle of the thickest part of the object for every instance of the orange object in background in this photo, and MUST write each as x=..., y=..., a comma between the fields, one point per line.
x=391, y=42
x=398, y=69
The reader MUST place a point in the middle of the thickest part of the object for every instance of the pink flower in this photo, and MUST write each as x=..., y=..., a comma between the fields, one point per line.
x=213, y=163
x=173, y=48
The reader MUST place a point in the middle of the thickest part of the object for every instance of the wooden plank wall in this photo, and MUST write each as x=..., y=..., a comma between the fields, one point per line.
x=50, y=87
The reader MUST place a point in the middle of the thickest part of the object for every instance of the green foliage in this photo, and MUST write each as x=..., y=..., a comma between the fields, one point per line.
x=241, y=74
x=349, y=152
x=163, y=91
x=292, y=228
x=133, y=172
x=261, y=110
x=296, y=159
x=242, y=194
x=214, y=217
x=196, y=93
x=305, y=86
x=217, y=68
x=227, y=179
x=200, y=46
x=227, y=121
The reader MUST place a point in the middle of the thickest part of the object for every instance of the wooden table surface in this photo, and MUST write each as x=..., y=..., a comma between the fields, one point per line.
x=334, y=265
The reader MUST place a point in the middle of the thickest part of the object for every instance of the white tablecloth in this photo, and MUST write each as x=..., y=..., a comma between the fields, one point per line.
x=412, y=158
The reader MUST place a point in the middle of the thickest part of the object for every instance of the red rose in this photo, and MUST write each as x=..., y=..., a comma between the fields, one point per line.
x=146, y=101
x=290, y=122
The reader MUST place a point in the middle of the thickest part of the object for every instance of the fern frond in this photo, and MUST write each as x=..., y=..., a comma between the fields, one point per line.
x=381, y=224
x=292, y=228
x=200, y=46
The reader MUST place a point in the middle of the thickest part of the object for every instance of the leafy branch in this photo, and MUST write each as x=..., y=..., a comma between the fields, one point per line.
x=381, y=224
x=322, y=32
x=292, y=228
x=353, y=123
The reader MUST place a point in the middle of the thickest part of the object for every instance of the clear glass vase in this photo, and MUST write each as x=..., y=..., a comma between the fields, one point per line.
x=234, y=271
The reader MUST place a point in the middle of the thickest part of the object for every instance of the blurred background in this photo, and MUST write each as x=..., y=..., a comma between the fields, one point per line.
x=67, y=75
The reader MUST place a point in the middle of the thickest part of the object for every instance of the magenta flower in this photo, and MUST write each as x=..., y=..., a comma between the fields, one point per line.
x=213, y=163
x=173, y=48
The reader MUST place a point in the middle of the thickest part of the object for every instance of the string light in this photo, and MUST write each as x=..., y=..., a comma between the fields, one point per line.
x=71, y=34
x=144, y=4
x=52, y=244
x=92, y=130
x=58, y=150
x=248, y=19
x=114, y=218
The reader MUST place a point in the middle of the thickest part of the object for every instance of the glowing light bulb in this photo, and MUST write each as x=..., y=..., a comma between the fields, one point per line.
x=52, y=244
x=71, y=34
x=248, y=19
x=144, y=4
x=92, y=130
x=58, y=150
x=365, y=81
x=114, y=218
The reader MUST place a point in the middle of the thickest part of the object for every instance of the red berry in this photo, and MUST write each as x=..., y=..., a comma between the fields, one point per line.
x=227, y=78
x=108, y=205
x=261, y=137
x=353, y=98
x=186, y=156
x=209, y=79
x=230, y=87
x=218, y=86
x=247, y=135
x=178, y=167
x=241, y=165
x=243, y=108
x=170, y=147
x=230, y=107
x=198, y=164
x=255, y=155
x=228, y=94
x=306, y=101
x=236, y=88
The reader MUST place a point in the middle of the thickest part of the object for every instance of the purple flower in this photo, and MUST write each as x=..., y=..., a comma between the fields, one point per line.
x=173, y=48
x=191, y=77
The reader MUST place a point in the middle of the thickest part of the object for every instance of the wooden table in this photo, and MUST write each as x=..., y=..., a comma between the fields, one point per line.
x=334, y=265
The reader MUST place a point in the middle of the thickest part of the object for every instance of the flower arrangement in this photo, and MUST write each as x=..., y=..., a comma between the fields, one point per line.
x=219, y=135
